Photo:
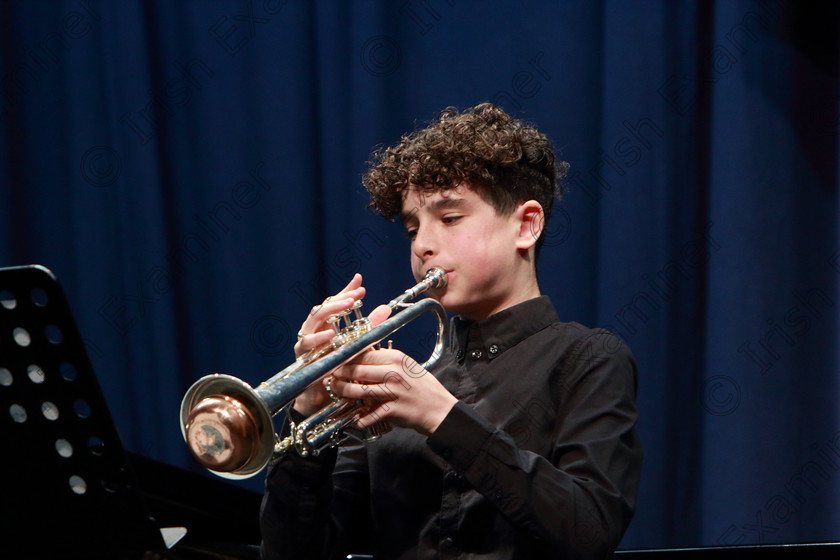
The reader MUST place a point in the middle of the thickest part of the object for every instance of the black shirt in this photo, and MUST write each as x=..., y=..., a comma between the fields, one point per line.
x=538, y=459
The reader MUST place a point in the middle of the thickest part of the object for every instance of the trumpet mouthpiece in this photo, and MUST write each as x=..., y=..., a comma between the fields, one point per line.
x=435, y=277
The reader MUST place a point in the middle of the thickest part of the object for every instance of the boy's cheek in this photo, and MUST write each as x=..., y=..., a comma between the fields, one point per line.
x=415, y=268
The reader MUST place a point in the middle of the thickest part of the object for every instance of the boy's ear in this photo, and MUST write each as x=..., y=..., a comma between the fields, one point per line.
x=531, y=223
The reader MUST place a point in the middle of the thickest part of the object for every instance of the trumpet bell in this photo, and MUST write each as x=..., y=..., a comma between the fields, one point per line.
x=227, y=427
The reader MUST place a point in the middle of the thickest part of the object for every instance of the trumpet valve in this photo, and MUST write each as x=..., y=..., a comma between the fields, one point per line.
x=376, y=431
x=339, y=340
x=334, y=321
x=356, y=309
x=360, y=326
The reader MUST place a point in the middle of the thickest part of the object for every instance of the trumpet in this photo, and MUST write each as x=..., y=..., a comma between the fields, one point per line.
x=228, y=425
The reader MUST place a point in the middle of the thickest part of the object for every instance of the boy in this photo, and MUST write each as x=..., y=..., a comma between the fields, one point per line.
x=521, y=443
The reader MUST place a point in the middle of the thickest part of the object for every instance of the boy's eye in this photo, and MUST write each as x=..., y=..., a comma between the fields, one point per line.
x=450, y=219
x=411, y=233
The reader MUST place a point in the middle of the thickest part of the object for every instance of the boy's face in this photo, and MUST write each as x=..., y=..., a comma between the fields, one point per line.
x=480, y=250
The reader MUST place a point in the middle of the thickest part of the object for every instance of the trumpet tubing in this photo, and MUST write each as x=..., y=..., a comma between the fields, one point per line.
x=228, y=426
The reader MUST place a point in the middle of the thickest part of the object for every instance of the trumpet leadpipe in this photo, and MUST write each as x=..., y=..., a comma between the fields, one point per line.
x=434, y=278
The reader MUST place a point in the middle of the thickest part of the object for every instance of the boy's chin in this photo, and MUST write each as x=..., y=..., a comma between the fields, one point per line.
x=450, y=304
x=456, y=307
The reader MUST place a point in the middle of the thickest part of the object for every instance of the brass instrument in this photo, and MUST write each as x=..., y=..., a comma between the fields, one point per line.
x=228, y=425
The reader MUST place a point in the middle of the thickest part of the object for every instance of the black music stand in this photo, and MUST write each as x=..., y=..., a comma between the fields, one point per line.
x=68, y=490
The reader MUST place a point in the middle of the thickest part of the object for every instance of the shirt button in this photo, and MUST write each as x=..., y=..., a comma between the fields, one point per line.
x=498, y=494
x=451, y=475
x=494, y=349
x=447, y=541
x=460, y=354
x=476, y=354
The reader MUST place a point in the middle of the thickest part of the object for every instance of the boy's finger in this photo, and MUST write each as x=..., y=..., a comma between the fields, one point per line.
x=353, y=284
x=307, y=342
x=320, y=313
x=379, y=314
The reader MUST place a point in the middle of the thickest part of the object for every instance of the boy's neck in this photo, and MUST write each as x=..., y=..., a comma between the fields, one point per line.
x=521, y=292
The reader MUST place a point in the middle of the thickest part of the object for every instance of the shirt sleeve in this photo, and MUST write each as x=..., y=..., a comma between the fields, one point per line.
x=312, y=507
x=578, y=502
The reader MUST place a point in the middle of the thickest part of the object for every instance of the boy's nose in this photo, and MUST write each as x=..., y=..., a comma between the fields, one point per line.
x=424, y=244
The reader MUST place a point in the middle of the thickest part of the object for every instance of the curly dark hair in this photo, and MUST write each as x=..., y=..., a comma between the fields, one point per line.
x=507, y=161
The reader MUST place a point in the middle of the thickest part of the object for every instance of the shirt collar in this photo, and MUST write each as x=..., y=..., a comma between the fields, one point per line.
x=489, y=338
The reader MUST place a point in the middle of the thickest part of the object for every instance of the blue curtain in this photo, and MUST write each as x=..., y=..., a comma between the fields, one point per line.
x=191, y=173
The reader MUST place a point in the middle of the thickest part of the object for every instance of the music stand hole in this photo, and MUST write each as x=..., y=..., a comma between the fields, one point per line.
x=49, y=410
x=54, y=334
x=63, y=447
x=18, y=413
x=68, y=371
x=7, y=300
x=36, y=374
x=5, y=377
x=82, y=408
x=39, y=297
x=78, y=484
x=96, y=446
x=21, y=336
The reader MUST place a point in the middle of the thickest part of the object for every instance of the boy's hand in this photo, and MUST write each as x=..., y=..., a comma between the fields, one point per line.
x=395, y=388
x=315, y=332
